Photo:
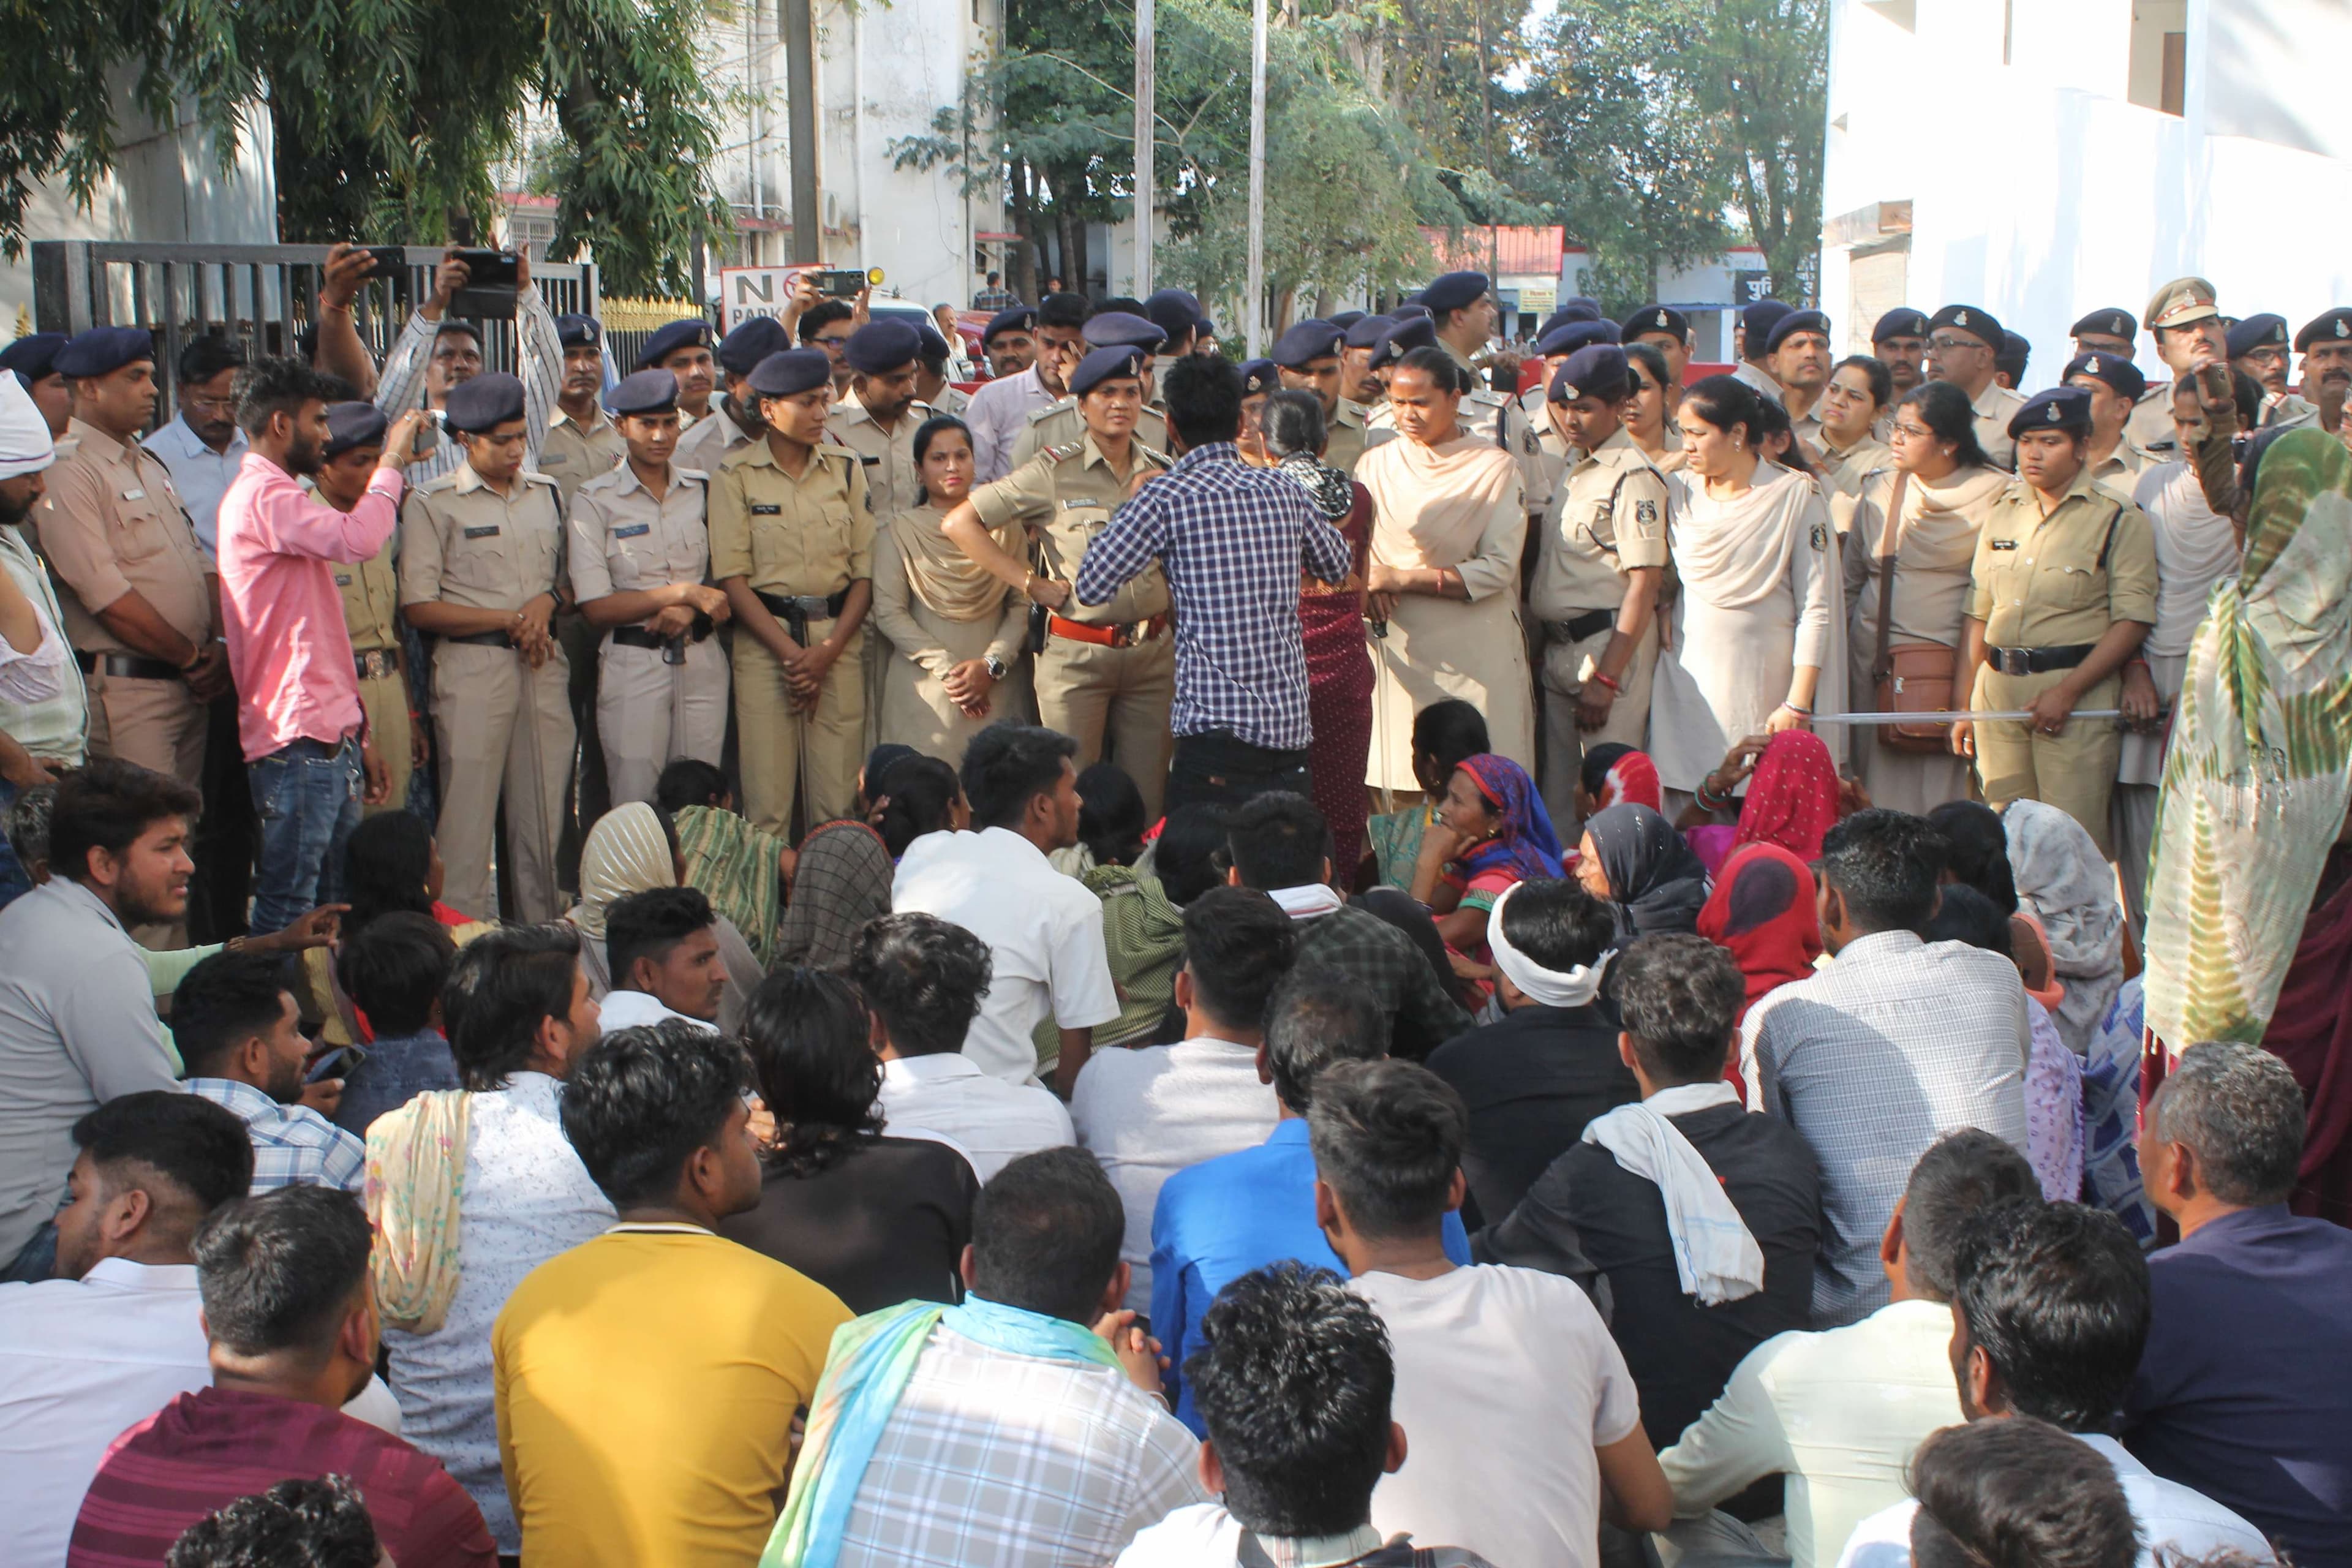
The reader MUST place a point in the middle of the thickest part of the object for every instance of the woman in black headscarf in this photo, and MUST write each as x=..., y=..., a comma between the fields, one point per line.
x=1632, y=857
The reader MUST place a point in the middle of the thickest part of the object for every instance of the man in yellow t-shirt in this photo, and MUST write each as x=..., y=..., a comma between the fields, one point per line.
x=648, y=1380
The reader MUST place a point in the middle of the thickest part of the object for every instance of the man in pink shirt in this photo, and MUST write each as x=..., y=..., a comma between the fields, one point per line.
x=298, y=712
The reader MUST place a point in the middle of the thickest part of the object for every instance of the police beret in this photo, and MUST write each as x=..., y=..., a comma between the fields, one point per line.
x=33, y=355
x=1207, y=327
x=1574, y=335
x=2114, y=369
x=1978, y=324
x=2015, y=350
x=668, y=340
x=1795, y=321
x=1583, y=302
x=2331, y=325
x=882, y=345
x=351, y=425
x=1306, y=341
x=579, y=332
x=101, y=351
x=2181, y=302
x=1343, y=320
x=1102, y=364
x=1366, y=333
x=1411, y=299
x=1126, y=302
x=2107, y=322
x=1574, y=311
x=1117, y=329
x=1453, y=290
x=1016, y=318
x=1656, y=318
x=1401, y=338
x=1759, y=320
x=1410, y=308
x=484, y=402
x=1174, y=311
x=2265, y=331
x=643, y=392
x=1257, y=375
x=754, y=340
x=1903, y=321
x=792, y=372
x=2059, y=408
x=1596, y=370
x=929, y=342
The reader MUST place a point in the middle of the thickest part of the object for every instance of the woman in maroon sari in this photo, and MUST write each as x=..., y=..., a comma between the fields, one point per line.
x=1331, y=618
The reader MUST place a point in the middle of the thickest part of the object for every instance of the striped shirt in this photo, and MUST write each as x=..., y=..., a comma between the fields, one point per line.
x=209, y=1447
x=402, y=385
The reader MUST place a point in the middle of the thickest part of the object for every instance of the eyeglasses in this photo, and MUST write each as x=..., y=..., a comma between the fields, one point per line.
x=1944, y=345
x=207, y=404
x=1910, y=432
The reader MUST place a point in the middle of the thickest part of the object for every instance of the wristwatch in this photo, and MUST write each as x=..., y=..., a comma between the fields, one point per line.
x=996, y=667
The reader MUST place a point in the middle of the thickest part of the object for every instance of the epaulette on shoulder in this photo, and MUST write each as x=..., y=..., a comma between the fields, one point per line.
x=1486, y=398
x=1051, y=409
x=1064, y=452
x=440, y=483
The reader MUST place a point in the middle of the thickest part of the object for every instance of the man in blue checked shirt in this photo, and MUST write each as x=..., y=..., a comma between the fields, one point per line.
x=1233, y=541
x=238, y=1029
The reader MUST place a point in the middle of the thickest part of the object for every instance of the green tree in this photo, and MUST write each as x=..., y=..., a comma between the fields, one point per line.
x=1759, y=69
x=389, y=115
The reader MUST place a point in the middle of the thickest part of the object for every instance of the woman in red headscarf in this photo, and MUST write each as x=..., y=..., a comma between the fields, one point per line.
x=1794, y=798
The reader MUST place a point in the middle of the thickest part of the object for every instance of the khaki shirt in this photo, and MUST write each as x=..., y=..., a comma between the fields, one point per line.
x=889, y=457
x=1347, y=437
x=713, y=438
x=2118, y=472
x=463, y=544
x=814, y=534
x=1066, y=495
x=371, y=590
x=1995, y=407
x=2064, y=579
x=2149, y=424
x=624, y=538
x=113, y=524
x=572, y=454
x=1608, y=518
x=1059, y=423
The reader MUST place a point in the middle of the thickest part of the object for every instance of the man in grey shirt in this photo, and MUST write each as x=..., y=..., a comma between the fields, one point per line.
x=1896, y=1043
x=77, y=1025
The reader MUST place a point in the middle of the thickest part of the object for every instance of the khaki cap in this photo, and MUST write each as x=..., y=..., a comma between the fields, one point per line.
x=2179, y=302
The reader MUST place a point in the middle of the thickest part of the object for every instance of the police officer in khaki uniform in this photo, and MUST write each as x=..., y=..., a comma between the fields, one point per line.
x=2191, y=333
x=1403, y=332
x=1360, y=388
x=1059, y=423
x=1964, y=346
x=2258, y=346
x=1557, y=347
x=138, y=594
x=2113, y=331
x=2064, y=592
x=2115, y=386
x=1798, y=348
x=579, y=444
x=2325, y=344
x=1184, y=331
x=482, y=564
x=792, y=543
x=1462, y=314
x=371, y=590
x=878, y=419
x=683, y=349
x=1106, y=674
x=640, y=555
x=735, y=414
x=1898, y=340
x=1599, y=562
x=931, y=384
x=1309, y=358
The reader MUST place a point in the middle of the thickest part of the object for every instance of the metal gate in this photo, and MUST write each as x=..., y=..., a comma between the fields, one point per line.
x=266, y=295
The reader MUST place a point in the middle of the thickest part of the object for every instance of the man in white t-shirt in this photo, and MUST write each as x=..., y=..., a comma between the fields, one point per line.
x=922, y=980
x=1149, y=1113
x=2050, y=1314
x=663, y=946
x=1044, y=929
x=1526, y=1429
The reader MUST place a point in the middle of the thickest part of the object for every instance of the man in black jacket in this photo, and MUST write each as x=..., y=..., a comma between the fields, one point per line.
x=1595, y=1218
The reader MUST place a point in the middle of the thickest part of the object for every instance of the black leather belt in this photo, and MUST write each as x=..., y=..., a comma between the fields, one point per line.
x=376, y=662
x=127, y=665
x=2037, y=660
x=483, y=639
x=803, y=607
x=1584, y=625
x=638, y=637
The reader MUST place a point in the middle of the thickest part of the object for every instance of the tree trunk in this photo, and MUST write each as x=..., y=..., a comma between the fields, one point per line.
x=1020, y=259
x=1066, y=244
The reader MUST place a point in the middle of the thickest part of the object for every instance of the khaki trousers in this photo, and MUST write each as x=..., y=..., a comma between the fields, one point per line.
x=1564, y=669
x=505, y=734
x=785, y=751
x=649, y=712
x=384, y=698
x=2074, y=770
x=158, y=724
x=1115, y=699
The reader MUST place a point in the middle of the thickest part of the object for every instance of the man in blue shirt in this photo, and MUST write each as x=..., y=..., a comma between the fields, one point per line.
x=2245, y=1389
x=1218, y=1220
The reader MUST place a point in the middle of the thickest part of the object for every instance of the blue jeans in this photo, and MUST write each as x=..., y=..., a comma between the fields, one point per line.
x=307, y=796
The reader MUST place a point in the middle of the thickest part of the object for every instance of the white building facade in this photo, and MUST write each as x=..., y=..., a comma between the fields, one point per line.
x=2043, y=158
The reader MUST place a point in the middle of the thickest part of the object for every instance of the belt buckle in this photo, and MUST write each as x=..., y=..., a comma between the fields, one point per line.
x=1125, y=635
x=2016, y=661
